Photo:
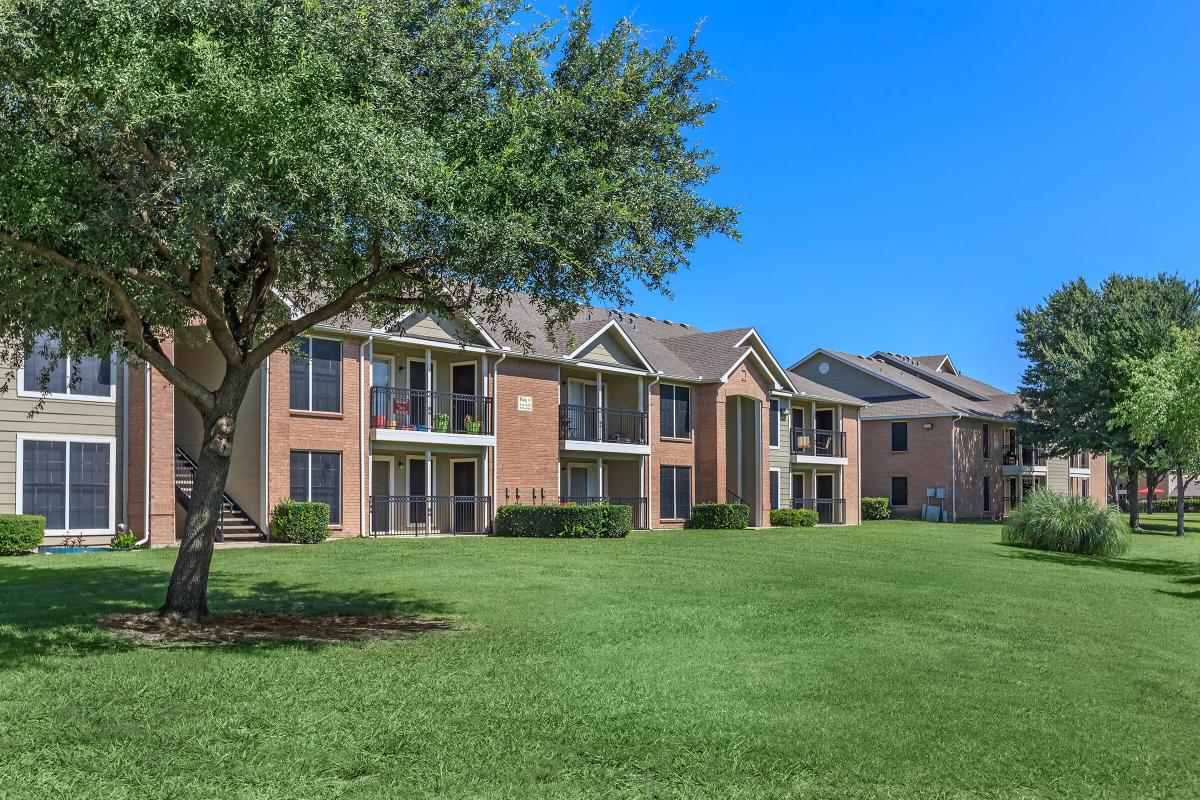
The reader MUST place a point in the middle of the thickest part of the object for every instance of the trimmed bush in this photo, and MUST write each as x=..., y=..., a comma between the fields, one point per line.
x=600, y=521
x=301, y=523
x=123, y=541
x=720, y=516
x=20, y=533
x=876, y=508
x=1045, y=520
x=794, y=517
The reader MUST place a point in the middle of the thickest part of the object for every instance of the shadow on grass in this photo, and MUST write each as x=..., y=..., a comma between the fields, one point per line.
x=1187, y=574
x=54, y=611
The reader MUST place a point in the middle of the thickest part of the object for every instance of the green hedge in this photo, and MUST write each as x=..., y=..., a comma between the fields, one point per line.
x=794, y=517
x=1191, y=505
x=302, y=523
x=20, y=533
x=600, y=521
x=720, y=516
x=876, y=508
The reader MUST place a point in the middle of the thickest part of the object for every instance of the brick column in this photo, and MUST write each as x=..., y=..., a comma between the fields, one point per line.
x=162, y=455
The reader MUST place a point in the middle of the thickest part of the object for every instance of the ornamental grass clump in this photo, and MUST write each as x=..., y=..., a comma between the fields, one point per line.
x=1048, y=521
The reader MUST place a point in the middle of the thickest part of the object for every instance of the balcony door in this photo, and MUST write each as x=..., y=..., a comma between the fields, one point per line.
x=582, y=419
x=825, y=510
x=463, y=404
x=463, y=478
x=582, y=483
x=823, y=421
x=383, y=402
x=417, y=398
x=417, y=508
x=381, y=493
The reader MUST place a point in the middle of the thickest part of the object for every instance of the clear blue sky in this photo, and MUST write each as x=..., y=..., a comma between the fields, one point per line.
x=911, y=173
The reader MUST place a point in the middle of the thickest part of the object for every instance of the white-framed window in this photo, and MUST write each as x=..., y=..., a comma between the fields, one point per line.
x=69, y=480
x=316, y=477
x=675, y=411
x=87, y=378
x=316, y=375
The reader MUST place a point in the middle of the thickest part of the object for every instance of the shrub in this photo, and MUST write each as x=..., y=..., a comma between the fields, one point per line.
x=303, y=523
x=1048, y=521
x=123, y=540
x=601, y=521
x=720, y=516
x=794, y=517
x=876, y=508
x=20, y=533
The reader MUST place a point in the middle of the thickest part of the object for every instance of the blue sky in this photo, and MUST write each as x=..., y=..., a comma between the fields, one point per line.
x=911, y=173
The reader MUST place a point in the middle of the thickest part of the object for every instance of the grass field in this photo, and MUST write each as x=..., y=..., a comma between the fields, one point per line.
x=895, y=660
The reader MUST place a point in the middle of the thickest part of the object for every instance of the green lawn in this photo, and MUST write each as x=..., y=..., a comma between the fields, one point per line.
x=895, y=660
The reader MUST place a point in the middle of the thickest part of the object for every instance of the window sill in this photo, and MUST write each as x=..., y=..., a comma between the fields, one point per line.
x=71, y=398
x=675, y=438
x=295, y=412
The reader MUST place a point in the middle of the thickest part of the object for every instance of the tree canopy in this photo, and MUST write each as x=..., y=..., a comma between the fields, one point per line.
x=261, y=166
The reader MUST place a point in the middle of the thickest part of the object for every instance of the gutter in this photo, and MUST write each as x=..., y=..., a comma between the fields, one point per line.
x=496, y=430
x=146, y=469
x=650, y=458
x=954, y=468
x=364, y=410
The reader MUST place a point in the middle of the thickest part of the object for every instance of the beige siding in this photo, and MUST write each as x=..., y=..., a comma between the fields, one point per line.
x=59, y=417
x=427, y=326
x=607, y=350
x=847, y=379
x=781, y=459
x=1058, y=475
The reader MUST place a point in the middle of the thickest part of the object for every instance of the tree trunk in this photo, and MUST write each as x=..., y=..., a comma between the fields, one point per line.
x=1131, y=497
x=187, y=595
x=1150, y=492
x=1180, y=484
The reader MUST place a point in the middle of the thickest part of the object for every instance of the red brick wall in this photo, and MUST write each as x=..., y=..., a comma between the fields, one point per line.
x=672, y=452
x=850, y=472
x=304, y=430
x=162, y=455
x=973, y=467
x=747, y=382
x=1098, y=484
x=526, y=441
x=926, y=464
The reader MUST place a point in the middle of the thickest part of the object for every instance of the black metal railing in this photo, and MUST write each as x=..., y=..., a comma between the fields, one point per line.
x=818, y=442
x=421, y=515
x=185, y=480
x=1080, y=461
x=830, y=511
x=420, y=410
x=1029, y=456
x=601, y=424
x=582, y=501
x=636, y=504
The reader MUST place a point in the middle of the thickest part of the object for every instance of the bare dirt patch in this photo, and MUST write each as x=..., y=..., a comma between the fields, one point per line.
x=259, y=627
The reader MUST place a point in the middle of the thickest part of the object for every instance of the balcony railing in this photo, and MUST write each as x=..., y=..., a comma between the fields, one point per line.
x=422, y=515
x=419, y=410
x=830, y=511
x=1029, y=456
x=597, y=424
x=818, y=442
x=1080, y=461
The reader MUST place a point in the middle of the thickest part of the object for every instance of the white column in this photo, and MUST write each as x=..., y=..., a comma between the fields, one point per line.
x=600, y=404
x=429, y=388
x=429, y=492
x=643, y=507
x=600, y=477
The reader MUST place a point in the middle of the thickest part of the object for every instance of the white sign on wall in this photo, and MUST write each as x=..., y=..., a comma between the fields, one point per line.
x=524, y=402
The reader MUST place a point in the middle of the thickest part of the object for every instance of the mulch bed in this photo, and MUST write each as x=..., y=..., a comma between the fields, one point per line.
x=254, y=627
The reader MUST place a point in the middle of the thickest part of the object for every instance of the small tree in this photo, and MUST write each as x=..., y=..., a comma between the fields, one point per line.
x=264, y=166
x=1161, y=407
x=1080, y=344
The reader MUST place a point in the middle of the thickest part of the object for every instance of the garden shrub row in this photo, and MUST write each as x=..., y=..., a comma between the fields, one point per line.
x=1191, y=505
x=876, y=508
x=20, y=533
x=301, y=523
x=720, y=516
x=600, y=521
x=794, y=517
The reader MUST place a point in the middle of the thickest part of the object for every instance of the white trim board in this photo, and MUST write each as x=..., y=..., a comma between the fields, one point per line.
x=111, y=441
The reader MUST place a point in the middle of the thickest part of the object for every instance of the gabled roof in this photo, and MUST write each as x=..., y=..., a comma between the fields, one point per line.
x=810, y=389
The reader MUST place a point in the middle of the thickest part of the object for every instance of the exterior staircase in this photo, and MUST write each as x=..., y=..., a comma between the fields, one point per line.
x=235, y=524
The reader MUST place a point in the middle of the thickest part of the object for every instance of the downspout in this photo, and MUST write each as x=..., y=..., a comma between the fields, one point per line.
x=125, y=445
x=146, y=470
x=265, y=461
x=954, y=468
x=650, y=458
x=364, y=410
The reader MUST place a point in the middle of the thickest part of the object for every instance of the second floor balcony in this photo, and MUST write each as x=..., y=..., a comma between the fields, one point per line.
x=1018, y=459
x=614, y=427
x=818, y=443
x=422, y=411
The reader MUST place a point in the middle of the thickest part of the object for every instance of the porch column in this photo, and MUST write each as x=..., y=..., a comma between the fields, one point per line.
x=428, y=389
x=1020, y=467
x=813, y=491
x=600, y=404
x=641, y=407
x=643, y=507
x=600, y=477
x=428, y=492
x=741, y=488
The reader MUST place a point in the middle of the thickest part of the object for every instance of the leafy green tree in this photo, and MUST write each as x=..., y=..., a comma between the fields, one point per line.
x=1161, y=408
x=263, y=166
x=1081, y=344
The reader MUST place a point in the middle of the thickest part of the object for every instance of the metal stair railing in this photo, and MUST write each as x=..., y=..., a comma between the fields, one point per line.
x=185, y=479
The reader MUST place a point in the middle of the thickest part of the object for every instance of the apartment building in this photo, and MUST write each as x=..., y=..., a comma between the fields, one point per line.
x=431, y=425
x=933, y=436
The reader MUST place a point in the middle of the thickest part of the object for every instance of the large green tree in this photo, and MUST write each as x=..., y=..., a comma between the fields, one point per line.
x=1161, y=408
x=261, y=166
x=1080, y=344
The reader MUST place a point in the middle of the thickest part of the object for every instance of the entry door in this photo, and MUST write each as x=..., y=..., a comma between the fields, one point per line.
x=463, y=477
x=798, y=493
x=825, y=492
x=462, y=384
x=417, y=398
x=578, y=484
x=582, y=416
x=381, y=491
x=382, y=401
x=417, y=509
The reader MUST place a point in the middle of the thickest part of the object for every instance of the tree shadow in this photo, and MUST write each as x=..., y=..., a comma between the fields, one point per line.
x=1184, y=593
x=1146, y=566
x=1152, y=528
x=55, y=611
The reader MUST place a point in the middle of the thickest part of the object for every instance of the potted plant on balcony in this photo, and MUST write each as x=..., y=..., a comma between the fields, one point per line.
x=473, y=425
x=441, y=422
